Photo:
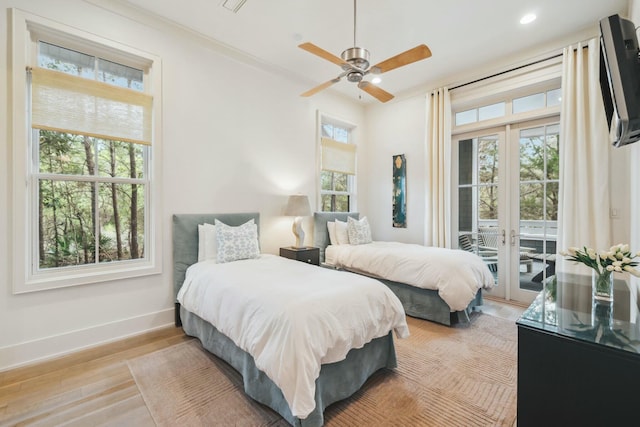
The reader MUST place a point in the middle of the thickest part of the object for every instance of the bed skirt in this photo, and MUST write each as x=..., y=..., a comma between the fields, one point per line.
x=337, y=381
x=427, y=304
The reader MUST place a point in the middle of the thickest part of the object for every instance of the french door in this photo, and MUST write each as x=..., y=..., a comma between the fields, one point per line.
x=505, y=200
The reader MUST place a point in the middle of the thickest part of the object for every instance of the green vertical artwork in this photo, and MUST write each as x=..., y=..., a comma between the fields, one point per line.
x=399, y=191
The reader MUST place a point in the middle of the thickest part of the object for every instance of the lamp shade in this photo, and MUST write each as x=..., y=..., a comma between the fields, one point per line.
x=298, y=205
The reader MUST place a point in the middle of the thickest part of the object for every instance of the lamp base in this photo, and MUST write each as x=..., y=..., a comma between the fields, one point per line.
x=298, y=232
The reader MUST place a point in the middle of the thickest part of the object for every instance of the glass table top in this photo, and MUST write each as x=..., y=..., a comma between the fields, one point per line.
x=565, y=307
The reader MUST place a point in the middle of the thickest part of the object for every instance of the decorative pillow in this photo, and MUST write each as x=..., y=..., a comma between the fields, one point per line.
x=331, y=226
x=207, y=244
x=235, y=243
x=359, y=231
x=341, y=232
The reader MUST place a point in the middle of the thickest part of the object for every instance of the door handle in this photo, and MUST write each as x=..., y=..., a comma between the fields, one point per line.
x=503, y=237
x=513, y=238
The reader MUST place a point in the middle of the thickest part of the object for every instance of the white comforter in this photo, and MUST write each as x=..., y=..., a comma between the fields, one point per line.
x=455, y=274
x=291, y=317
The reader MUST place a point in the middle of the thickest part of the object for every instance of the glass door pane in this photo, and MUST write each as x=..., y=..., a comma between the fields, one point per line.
x=534, y=241
x=478, y=161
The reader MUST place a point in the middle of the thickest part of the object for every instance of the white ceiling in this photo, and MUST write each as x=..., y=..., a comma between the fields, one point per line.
x=467, y=37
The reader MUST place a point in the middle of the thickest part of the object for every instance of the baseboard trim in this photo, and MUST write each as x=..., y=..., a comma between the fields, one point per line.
x=51, y=347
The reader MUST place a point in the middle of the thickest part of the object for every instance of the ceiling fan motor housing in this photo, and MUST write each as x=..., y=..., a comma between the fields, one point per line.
x=357, y=56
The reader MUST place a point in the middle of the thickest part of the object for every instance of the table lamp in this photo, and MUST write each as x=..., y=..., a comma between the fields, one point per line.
x=298, y=206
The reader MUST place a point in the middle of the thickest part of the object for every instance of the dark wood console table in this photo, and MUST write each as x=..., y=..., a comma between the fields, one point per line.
x=579, y=362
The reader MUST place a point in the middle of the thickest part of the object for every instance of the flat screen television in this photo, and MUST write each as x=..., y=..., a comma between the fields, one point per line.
x=620, y=79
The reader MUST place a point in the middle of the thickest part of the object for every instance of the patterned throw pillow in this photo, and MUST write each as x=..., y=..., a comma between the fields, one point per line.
x=235, y=243
x=359, y=231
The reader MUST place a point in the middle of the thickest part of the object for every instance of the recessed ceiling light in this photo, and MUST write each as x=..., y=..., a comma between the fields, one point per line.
x=376, y=80
x=528, y=18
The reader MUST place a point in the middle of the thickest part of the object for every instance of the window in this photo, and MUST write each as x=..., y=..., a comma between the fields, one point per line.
x=531, y=102
x=338, y=166
x=89, y=211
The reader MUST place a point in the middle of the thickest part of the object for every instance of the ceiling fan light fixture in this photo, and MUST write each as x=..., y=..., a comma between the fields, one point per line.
x=355, y=76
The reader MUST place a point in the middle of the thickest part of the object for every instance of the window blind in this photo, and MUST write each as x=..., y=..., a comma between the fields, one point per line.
x=66, y=103
x=338, y=156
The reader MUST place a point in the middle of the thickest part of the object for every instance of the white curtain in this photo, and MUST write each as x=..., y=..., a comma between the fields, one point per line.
x=437, y=225
x=583, y=213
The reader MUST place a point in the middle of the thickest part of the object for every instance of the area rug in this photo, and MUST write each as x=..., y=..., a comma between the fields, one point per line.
x=446, y=376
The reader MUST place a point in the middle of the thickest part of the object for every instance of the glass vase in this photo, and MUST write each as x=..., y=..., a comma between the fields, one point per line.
x=602, y=286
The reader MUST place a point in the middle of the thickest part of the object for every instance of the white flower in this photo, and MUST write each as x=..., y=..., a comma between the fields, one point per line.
x=610, y=267
x=618, y=269
x=619, y=255
x=617, y=263
x=572, y=250
x=626, y=260
x=632, y=270
x=625, y=248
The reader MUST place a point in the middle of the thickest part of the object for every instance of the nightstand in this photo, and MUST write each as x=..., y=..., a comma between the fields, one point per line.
x=307, y=254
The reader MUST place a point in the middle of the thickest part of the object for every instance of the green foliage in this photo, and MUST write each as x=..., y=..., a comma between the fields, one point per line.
x=74, y=204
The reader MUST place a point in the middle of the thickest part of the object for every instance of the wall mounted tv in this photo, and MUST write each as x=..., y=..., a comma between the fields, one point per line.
x=620, y=79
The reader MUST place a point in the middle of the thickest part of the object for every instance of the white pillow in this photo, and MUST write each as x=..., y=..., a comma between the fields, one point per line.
x=359, y=231
x=207, y=244
x=235, y=243
x=331, y=226
x=341, y=232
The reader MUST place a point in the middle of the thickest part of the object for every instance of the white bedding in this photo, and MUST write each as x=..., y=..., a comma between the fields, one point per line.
x=455, y=274
x=291, y=317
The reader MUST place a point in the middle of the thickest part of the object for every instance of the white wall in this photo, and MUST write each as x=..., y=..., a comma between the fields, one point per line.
x=235, y=138
x=633, y=153
x=396, y=128
x=399, y=127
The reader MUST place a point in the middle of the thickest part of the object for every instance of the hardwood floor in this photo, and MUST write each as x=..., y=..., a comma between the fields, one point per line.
x=95, y=387
x=500, y=308
x=92, y=387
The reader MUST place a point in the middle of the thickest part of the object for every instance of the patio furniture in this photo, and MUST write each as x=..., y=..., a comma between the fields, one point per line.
x=488, y=238
x=550, y=261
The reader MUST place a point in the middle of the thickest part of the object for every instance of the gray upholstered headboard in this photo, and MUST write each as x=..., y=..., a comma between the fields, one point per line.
x=185, y=239
x=320, y=231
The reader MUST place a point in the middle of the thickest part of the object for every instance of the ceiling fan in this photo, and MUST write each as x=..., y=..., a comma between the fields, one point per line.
x=354, y=62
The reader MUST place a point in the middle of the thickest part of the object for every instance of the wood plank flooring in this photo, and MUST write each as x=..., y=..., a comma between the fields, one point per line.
x=91, y=387
x=95, y=387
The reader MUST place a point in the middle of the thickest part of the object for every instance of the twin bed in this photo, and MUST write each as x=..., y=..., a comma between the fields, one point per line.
x=302, y=337
x=436, y=284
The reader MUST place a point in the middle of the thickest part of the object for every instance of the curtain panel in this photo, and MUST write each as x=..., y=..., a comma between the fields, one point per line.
x=583, y=213
x=437, y=230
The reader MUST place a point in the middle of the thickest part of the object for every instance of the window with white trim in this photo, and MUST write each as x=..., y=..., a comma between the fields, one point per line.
x=90, y=210
x=337, y=166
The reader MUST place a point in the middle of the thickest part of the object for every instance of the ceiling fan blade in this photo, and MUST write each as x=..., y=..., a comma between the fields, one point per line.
x=312, y=48
x=405, y=58
x=373, y=90
x=320, y=87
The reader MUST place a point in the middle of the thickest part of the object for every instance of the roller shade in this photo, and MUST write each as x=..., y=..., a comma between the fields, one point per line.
x=65, y=103
x=338, y=156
